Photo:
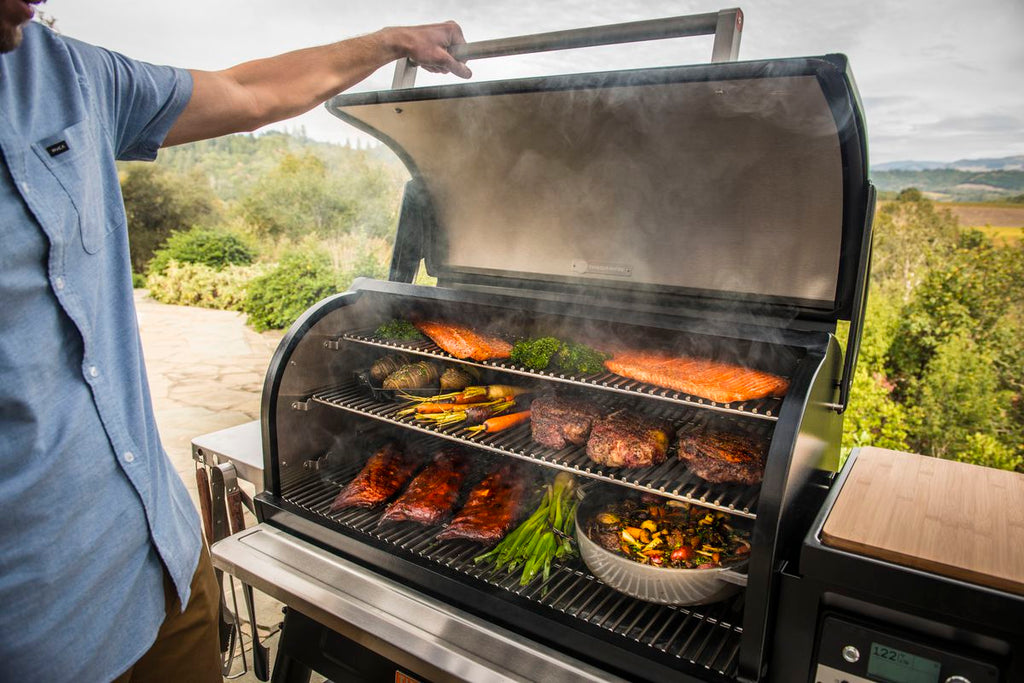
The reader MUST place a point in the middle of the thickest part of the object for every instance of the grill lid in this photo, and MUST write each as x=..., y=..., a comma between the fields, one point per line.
x=739, y=181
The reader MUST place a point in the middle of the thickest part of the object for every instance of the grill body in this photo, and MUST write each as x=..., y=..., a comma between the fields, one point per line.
x=318, y=426
x=722, y=210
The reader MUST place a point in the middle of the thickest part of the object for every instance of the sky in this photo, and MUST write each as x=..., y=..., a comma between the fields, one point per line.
x=940, y=80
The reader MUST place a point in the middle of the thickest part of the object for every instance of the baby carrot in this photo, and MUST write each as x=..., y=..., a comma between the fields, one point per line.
x=502, y=422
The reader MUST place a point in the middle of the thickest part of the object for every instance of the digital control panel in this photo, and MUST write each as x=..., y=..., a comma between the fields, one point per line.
x=851, y=652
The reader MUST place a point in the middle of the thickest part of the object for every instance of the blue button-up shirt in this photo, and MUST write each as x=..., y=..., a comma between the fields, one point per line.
x=92, y=510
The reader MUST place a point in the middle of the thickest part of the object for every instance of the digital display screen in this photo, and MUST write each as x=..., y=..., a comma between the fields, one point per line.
x=897, y=666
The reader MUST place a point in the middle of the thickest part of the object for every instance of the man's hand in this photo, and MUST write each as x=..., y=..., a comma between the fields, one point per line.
x=427, y=46
x=263, y=91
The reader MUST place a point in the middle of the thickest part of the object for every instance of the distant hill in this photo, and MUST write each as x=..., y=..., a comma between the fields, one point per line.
x=1012, y=163
x=954, y=184
x=233, y=163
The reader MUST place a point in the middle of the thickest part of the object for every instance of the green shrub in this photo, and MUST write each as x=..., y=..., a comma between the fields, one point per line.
x=196, y=284
x=138, y=280
x=301, y=279
x=214, y=248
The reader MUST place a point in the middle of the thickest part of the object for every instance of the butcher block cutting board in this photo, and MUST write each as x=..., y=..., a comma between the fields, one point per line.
x=950, y=518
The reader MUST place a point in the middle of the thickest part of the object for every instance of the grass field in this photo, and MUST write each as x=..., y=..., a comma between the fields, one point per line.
x=1003, y=222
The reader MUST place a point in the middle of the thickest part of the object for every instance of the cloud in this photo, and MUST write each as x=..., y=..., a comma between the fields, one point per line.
x=929, y=71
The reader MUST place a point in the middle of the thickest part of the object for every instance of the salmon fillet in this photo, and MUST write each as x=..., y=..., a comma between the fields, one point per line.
x=714, y=380
x=462, y=342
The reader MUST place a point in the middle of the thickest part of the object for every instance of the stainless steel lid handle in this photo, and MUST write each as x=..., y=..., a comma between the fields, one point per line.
x=726, y=25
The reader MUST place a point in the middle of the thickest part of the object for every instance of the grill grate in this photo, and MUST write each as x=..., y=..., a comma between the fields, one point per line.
x=765, y=409
x=707, y=636
x=672, y=478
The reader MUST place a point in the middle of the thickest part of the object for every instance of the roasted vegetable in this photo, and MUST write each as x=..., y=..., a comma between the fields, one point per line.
x=491, y=392
x=498, y=424
x=400, y=330
x=580, y=359
x=386, y=365
x=450, y=413
x=458, y=378
x=679, y=536
x=419, y=375
x=549, y=352
x=544, y=537
x=535, y=354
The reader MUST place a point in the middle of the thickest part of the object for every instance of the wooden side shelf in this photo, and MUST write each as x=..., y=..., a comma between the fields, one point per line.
x=950, y=518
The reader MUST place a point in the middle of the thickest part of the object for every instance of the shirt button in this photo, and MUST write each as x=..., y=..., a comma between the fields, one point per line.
x=59, y=283
x=24, y=187
x=129, y=456
x=94, y=371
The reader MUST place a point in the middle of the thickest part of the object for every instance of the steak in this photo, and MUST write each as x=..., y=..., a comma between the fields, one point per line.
x=626, y=439
x=434, y=491
x=383, y=475
x=714, y=380
x=557, y=422
x=722, y=457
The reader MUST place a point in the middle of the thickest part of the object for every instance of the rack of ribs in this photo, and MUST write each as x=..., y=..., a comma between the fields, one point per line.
x=492, y=507
x=434, y=492
x=383, y=475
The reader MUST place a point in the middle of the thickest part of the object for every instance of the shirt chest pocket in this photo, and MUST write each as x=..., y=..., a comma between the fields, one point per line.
x=86, y=171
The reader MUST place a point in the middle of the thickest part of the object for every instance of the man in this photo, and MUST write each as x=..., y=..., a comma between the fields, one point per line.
x=99, y=543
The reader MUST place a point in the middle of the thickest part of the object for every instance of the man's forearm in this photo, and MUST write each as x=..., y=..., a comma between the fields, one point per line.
x=253, y=94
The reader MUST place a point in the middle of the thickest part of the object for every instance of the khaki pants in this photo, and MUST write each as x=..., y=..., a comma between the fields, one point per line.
x=186, y=647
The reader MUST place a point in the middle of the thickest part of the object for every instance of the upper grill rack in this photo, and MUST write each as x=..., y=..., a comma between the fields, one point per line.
x=707, y=636
x=765, y=409
x=671, y=478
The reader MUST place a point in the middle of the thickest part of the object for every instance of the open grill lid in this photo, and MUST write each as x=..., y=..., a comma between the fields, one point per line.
x=715, y=183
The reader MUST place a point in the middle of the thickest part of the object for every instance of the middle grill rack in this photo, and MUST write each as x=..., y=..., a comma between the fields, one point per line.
x=672, y=478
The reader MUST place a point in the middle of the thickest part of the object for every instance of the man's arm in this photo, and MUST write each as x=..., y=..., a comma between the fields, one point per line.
x=263, y=91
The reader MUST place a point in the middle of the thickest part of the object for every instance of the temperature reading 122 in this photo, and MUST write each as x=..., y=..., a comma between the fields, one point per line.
x=897, y=666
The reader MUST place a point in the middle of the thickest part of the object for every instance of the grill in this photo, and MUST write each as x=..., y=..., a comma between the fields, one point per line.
x=716, y=210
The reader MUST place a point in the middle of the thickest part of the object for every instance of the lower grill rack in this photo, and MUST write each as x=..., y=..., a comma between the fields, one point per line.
x=707, y=636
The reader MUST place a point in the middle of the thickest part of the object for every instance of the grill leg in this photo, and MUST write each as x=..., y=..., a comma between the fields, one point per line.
x=288, y=669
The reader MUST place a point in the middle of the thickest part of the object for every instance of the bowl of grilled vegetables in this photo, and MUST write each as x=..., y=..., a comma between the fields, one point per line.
x=660, y=550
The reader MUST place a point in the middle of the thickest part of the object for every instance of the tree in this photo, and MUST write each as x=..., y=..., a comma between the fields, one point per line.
x=911, y=237
x=298, y=197
x=158, y=201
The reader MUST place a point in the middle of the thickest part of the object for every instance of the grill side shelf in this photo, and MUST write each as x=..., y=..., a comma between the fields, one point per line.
x=671, y=478
x=763, y=409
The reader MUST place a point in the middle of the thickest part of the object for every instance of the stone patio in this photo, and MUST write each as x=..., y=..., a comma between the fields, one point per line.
x=206, y=371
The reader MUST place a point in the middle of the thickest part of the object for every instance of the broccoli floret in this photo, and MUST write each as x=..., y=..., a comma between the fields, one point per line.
x=398, y=329
x=580, y=359
x=535, y=353
x=541, y=353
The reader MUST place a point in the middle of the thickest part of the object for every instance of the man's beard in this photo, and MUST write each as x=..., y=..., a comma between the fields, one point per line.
x=10, y=38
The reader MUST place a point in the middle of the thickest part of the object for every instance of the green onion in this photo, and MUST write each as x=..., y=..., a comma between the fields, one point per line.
x=544, y=536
